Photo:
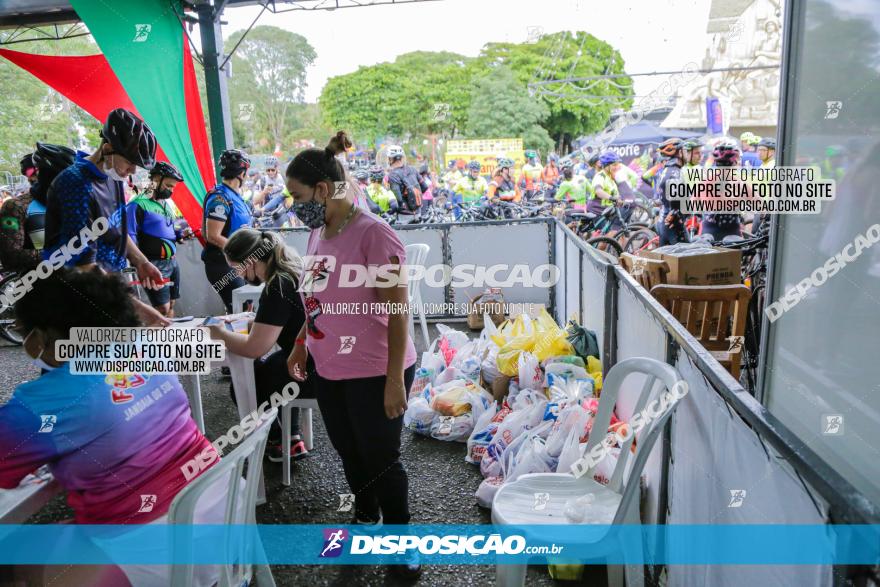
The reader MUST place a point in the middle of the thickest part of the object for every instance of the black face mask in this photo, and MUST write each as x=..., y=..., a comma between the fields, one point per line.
x=163, y=194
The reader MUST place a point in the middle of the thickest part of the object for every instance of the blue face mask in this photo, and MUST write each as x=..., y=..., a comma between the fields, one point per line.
x=311, y=213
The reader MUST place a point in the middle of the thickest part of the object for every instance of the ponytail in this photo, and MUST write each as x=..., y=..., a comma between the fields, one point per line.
x=313, y=166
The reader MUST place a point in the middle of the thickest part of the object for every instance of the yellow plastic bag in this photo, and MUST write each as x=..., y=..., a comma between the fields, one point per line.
x=551, y=340
x=597, y=385
x=594, y=365
x=508, y=355
x=509, y=330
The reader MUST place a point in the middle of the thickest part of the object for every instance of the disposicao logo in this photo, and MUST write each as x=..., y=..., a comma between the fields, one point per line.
x=333, y=541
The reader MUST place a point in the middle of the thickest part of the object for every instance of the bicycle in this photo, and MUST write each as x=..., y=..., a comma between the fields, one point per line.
x=597, y=226
x=8, y=283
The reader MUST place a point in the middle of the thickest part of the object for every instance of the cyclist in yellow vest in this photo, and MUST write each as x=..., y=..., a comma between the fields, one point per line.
x=472, y=186
x=530, y=178
x=605, y=190
x=378, y=193
x=573, y=188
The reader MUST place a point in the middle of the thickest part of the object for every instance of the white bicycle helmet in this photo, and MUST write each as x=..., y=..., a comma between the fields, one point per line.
x=394, y=152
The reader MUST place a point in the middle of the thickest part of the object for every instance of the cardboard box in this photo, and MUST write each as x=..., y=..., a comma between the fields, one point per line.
x=720, y=268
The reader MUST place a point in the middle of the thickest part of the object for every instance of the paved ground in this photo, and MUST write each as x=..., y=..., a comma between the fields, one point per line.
x=442, y=489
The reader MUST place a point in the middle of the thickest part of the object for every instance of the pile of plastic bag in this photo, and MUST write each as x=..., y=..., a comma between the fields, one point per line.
x=522, y=396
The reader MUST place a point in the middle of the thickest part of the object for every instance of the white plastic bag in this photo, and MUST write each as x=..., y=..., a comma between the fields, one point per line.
x=571, y=450
x=419, y=416
x=455, y=338
x=447, y=376
x=482, y=434
x=529, y=369
x=531, y=458
x=487, y=490
x=489, y=366
x=572, y=417
x=452, y=428
x=432, y=360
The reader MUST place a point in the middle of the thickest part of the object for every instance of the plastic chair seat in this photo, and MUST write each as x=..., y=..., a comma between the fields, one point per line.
x=514, y=502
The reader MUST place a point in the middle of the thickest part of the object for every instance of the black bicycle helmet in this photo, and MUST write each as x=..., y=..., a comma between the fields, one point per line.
x=27, y=162
x=474, y=165
x=692, y=144
x=233, y=162
x=130, y=137
x=593, y=159
x=377, y=174
x=52, y=159
x=163, y=169
x=423, y=169
x=767, y=142
x=361, y=174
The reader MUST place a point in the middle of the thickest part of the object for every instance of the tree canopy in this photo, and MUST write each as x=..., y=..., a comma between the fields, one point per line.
x=268, y=82
x=423, y=93
x=30, y=111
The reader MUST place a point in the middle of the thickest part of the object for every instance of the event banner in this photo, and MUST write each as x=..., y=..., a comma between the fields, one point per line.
x=486, y=151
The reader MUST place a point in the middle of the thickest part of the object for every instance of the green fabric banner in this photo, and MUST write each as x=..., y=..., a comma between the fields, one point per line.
x=143, y=42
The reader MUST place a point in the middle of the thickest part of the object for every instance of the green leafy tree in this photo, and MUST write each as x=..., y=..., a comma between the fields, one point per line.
x=420, y=93
x=501, y=107
x=30, y=111
x=268, y=81
x=574, y=110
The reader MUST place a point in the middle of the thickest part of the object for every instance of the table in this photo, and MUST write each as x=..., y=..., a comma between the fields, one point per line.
x=242, y=372
x=34, y=491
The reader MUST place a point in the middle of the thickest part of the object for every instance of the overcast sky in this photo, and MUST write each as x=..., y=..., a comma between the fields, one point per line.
x=651, y=36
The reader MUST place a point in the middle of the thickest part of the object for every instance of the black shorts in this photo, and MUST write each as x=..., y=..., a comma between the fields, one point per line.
x=170, y=270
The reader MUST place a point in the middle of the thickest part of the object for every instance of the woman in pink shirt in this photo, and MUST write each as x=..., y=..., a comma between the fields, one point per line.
x=355, y=335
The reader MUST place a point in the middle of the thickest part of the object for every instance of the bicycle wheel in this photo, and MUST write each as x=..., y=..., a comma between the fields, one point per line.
x=639, y=215
x=7, y=311
x=641, y=240
x=606, y=244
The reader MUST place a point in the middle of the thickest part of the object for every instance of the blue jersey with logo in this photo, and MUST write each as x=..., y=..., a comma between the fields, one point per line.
x=225, y=205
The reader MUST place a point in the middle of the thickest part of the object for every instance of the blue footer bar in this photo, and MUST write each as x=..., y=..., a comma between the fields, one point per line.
x=441, y=544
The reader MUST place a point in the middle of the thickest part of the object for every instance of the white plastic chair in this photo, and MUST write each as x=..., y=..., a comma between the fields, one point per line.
x=246, y=293
x=416, y=255
x=240, y=508
x=514, y=502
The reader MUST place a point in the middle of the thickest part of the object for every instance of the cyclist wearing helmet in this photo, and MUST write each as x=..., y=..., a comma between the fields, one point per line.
x=151, y=225
x=471, y=187
x=693, y=153
x=23, y=219
x=605, y=190
x=767, y=152
x=550, y=173
x=381, y=198
x=225, y=212
x=725, y=154
x=407, y=185
x=593, y=167
x=670, y=226
x=269, y=186
x=94, y=187
x=362, y=176
x=452, y=174
x=502, y=183
x=573, y=188
x=531, y=175
x=748, y=141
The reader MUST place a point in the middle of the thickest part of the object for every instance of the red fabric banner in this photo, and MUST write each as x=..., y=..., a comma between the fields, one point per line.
x=89, y=82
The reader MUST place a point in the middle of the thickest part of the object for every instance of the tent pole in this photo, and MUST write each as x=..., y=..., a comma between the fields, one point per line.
x=215, y=79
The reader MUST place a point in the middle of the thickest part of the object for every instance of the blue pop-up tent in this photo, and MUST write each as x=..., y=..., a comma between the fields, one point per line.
x=645, y=133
